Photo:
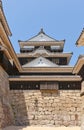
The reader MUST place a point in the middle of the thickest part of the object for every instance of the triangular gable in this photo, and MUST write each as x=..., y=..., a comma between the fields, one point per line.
x=40, y=50
x=42, y=37
x=40, y=62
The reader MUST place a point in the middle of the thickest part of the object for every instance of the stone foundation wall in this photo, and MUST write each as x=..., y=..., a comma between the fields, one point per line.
x=35, y=107
x=6, y=115
x=82, y=106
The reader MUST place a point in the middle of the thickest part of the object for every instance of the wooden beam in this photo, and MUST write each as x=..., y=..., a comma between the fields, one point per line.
x=46, y=78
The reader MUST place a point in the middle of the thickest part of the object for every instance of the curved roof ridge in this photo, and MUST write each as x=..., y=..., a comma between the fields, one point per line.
x=41, y=36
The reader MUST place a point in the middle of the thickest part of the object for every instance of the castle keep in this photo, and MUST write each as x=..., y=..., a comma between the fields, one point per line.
x=46, y=92
x=37, y=86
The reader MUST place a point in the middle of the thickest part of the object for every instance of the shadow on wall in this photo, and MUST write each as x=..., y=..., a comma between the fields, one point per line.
x=6, y=115
x=25, y=107
x=16, y=128
x=19, y=107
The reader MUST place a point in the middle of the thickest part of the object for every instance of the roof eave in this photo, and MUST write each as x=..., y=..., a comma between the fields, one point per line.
x=45, y=43
x=78, y=41
x=46, y=78
x=60, y=69
x=3, y=19
x=78, y=65
x=26, y=42
x=8, y=44
x=69, y=57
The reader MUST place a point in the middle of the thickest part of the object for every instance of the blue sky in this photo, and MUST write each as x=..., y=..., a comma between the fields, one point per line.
x=61, y=19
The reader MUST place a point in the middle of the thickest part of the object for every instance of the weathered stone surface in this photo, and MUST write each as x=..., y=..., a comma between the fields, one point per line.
x=6, y=115
x=50, y=109
x=82, y=107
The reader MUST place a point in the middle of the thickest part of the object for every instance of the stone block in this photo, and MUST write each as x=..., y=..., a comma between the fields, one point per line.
x=50, y=109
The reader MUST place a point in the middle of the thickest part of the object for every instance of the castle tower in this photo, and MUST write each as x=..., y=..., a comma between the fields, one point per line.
x=44, y=62
x=45, y=47
x=39, y=80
